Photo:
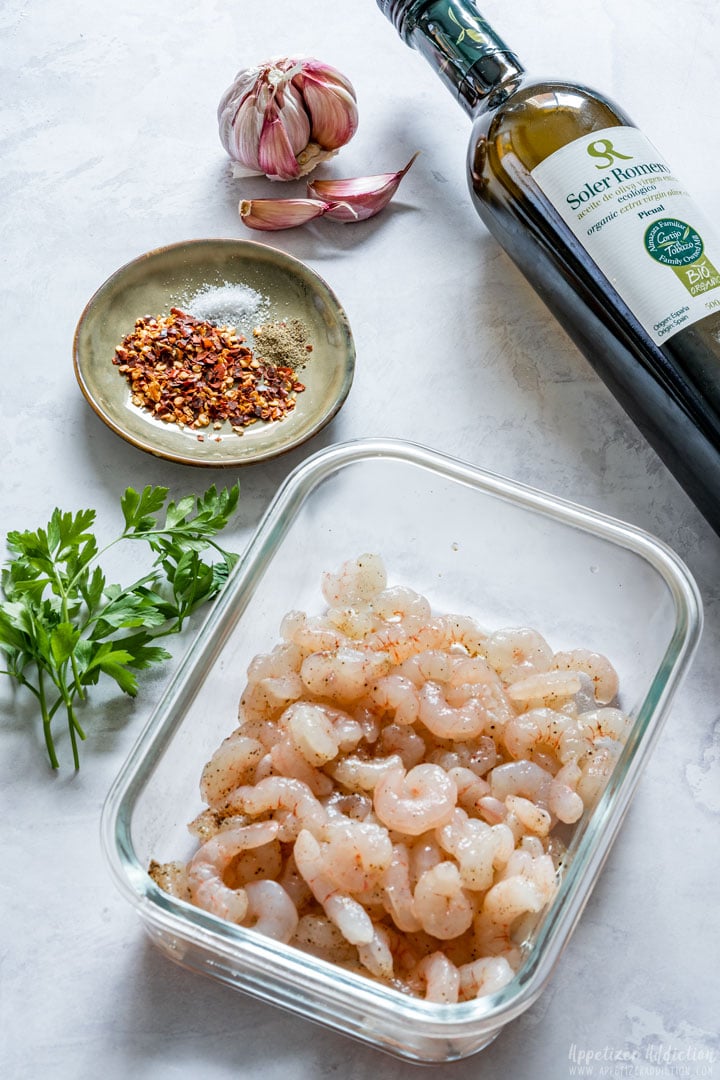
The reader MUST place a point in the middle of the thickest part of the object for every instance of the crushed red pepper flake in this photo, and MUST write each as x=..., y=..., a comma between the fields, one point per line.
x=189, y=372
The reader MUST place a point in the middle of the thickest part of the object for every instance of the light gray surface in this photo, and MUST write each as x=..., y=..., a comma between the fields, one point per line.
x=110, y=149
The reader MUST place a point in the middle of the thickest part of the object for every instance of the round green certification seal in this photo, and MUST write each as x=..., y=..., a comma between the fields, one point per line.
x=673, y=243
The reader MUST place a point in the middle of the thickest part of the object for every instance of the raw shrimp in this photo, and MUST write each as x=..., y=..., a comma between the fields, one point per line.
x=389, y=799
x=395, y=694
x=398, y=893
x=320, y=937
x=343, y=675
x=207, y=867
x=348, y=915
x=563, y=799
x=440, y=978
x=484, y=976
x=358, y=580
x=424, y=854
x=479, y=756
x=442, y=905
x=360, y=774
x=403, y=741
x=478, y=847
x=311, y=634
x=291, y=800
x=376, y=956
x=504, y=903
x=471, y=788
x=268, y=696
x=596, y=767
x=597, y=666
x=536, y=730
x=432, y=664
x=531, y=818
x=521, y=778
x=547, y=688
x=285, y=659
x=354, y=805
x=399, y=604
x=286, y=760
x=232, y=764
x=255, y=864
x=356, y=852
x=516, y=653
x=270, y=910
x=416, y=801
x=465, y=722
x=591, y=727
x=321, y=733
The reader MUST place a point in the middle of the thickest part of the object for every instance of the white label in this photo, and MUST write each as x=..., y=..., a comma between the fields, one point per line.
x=638, y=223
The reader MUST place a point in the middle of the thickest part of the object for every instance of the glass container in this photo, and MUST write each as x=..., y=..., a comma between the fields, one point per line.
x=473, y=543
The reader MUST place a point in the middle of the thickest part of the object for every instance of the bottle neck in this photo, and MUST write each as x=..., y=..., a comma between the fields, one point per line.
x=458, y=43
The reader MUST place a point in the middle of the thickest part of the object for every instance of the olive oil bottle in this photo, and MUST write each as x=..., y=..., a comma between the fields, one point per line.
x=601, y=227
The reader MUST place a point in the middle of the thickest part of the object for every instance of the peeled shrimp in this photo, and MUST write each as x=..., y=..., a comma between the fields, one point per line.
x=270, y=910
x=358, y=774
x=286, y=760
x=376, y=955
x=395, y=694
x=549, y=688
x=478, y=847
x=343, y=675
x=232, y=764
x=398, y=898
x=597, y=666
x=484, y=976
x=521, y=778
x=446, y=722
x=357, y=851
x=349, y=916
x=358, y=580
x=440, y=978
x=517, y=653
x=291, y=800
x=415, y=802
x=211, y=861
x=442, y=905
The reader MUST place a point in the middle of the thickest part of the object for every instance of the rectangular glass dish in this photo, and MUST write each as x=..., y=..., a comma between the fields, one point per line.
x=473, y=543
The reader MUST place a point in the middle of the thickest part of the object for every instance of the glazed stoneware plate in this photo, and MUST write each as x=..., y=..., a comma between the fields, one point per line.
x=171, y=277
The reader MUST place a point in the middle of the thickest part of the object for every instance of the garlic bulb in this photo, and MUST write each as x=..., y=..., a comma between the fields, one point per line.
x=283, y=117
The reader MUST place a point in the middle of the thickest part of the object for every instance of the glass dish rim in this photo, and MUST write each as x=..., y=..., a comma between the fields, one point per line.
x=559, y=920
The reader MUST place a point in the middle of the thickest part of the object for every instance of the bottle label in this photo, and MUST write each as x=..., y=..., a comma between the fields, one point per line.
x=637, y=221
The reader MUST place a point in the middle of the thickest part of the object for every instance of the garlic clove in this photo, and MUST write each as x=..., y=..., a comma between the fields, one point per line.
x=360, y=197
x=245, y=134
x=330, y=100
x=275, y=152
x=273, y=214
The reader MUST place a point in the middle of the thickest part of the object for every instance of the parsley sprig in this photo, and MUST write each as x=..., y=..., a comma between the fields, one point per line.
x=62, y=626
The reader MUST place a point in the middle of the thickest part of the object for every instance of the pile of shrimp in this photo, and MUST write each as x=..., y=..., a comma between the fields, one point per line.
x=389, y=799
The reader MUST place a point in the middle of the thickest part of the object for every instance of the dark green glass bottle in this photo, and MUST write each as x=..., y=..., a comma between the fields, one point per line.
x=599, y=225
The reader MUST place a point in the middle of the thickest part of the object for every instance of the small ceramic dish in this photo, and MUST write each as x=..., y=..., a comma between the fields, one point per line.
x=170, y=277
x=473, y=543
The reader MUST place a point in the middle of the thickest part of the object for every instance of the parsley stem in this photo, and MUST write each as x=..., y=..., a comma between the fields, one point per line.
x=46, y=719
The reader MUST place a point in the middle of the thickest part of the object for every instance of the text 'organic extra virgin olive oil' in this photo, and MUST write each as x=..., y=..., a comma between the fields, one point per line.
x=600, y=225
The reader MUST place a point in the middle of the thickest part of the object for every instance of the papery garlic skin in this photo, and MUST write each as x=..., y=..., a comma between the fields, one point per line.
x=281, y=118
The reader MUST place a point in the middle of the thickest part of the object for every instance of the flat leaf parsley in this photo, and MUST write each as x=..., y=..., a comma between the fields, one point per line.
x=62, y=626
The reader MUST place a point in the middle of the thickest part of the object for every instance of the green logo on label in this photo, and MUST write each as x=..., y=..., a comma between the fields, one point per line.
x=604, y=149
x=678, y=245
x=673, y=243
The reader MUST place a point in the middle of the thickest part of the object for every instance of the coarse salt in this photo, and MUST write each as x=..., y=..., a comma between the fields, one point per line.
x=227, y=305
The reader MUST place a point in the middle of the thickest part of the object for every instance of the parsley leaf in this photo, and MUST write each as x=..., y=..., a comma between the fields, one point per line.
x=63, y=627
